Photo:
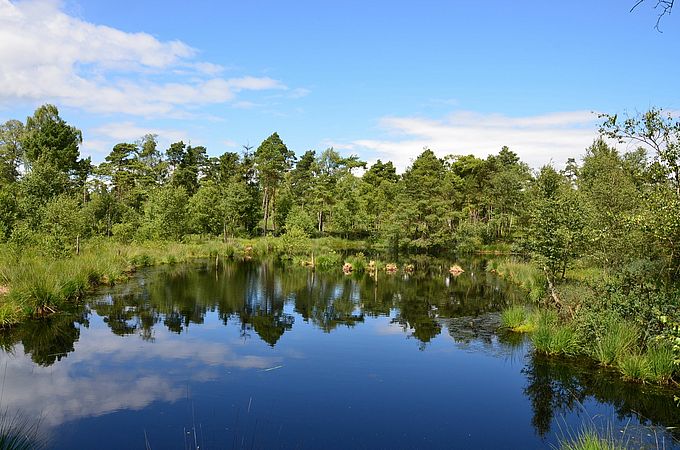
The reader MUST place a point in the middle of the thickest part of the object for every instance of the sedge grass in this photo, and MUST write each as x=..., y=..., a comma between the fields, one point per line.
x=635, y=367
x=553, y=338
x=661, y=360
x=618, y=340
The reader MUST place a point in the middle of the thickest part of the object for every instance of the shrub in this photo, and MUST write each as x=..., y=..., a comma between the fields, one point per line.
x=328, y=261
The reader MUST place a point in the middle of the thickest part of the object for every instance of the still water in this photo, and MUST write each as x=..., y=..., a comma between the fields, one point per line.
x=255, y=355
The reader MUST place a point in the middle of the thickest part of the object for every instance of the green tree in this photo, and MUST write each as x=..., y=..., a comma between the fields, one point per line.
x=272, y=161
x=557, y=231
x=9, y=211
x=11, y=150
x=119, y=166
x=48, y=139
x=655, y=129
x=165, y=213
x=153, y=168
x=612, y=199
x=423, y=214
x=187, y=164
x=62, y=224
x=205, y=211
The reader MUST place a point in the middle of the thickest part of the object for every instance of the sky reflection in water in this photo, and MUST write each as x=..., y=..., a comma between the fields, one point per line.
x=255, y=356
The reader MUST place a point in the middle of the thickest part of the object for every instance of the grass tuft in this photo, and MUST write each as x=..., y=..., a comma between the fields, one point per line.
x=635, y=367
x=661, y=361
x=553, y=338
x=619, y=340
x=590, y=439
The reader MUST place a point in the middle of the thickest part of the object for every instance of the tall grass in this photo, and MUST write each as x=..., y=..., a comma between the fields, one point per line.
x=554, y=338
x=19, y=433
x=513, y=317
x=635, y=367
x=522, y=274
x=661, y=360
x=618, y=340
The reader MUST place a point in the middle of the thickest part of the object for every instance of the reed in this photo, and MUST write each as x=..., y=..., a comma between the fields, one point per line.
x=514, y=317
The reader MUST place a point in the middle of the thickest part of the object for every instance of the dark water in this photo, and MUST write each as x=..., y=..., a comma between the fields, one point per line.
x=252, y=355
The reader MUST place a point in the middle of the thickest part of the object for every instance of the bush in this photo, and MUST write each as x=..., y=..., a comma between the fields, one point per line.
x=358, y=262
x=295, y=242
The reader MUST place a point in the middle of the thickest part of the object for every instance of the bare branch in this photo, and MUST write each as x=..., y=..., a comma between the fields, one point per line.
x=664, y=6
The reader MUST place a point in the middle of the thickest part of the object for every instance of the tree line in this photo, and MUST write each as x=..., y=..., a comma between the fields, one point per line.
x=613, y=207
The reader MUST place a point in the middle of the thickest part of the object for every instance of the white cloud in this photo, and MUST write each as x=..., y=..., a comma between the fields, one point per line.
x=537, y=139
x=99, y=141
x=130, y=132
x=48, y=55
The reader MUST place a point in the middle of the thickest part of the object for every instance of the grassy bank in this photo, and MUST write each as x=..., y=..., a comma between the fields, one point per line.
x=33, y=284
x=618, y=329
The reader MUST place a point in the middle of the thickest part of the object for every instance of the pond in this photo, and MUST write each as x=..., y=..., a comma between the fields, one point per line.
x=256, y=355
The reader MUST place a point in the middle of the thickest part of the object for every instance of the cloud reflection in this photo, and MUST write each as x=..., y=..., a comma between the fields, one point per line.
x=97, y=378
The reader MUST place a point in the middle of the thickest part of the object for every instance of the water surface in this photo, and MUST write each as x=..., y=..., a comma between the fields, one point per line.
x=254, y=355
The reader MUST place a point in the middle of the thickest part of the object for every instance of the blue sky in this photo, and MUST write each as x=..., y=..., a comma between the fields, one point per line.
x=379, y=79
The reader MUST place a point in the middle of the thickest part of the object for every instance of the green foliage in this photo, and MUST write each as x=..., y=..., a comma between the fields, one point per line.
x=358, y=261
x=11, y=150
x=300, y=218
x=557, y=232
x=9, y=210
x=48, y=139
x=523, y=274
x=295, y=242
x=272, y=160
x=328, y=261
x=186, y=163
x=165, y=214
x=553, y=338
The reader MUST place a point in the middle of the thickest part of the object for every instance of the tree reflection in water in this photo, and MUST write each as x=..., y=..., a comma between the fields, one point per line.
x=263, y=300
